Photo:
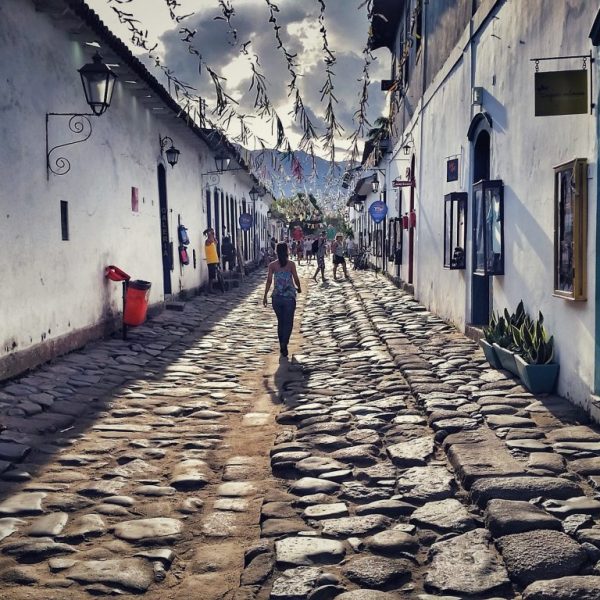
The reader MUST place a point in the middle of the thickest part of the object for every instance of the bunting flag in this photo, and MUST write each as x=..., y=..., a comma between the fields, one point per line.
x=297, y=169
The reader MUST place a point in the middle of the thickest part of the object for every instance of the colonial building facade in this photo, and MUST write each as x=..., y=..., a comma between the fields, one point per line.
x=491, y=175
x=81, y=191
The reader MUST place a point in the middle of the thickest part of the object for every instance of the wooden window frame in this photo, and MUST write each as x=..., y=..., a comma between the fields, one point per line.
x=578, y=168
x=458, y=203
x=497, y=266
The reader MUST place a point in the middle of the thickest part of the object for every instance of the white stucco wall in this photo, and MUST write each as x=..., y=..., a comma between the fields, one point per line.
x=53, y=287
x=524, y=150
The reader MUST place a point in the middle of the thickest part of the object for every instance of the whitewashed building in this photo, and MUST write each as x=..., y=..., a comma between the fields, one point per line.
x=503, y=202
x=70, y=209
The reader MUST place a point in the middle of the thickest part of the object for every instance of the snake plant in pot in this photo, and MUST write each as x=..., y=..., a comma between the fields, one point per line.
x=504, y=344
x=490, y=335
x=535, y=360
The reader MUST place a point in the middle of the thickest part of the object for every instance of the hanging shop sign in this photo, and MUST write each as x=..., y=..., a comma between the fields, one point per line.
x=561, y=93
x=378, y=210
x=408, y=180
x=245, y=221
x=452, y=169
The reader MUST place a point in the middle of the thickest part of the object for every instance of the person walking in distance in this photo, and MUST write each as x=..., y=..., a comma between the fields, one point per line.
x=337, y=250
x=319, y=250
x=283, y=299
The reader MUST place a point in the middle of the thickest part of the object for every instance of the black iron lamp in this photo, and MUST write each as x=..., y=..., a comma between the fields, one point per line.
x=375, y=184
x=254, y=193
x=222, y=162
x=98, y=82
x=171, y=153
x=359, y=206
x=269, y=214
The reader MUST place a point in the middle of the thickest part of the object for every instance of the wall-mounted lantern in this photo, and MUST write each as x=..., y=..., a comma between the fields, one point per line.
x=477, y=96
x=269, y=214
x=375, y=184
x=171, y=153
x=254, y=193
x=409, y=144
x=222, y=162
x=98, y=82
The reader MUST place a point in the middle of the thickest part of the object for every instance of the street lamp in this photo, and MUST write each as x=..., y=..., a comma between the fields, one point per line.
x=375, y=184
x=222, y=162
x=254, y=193
x=172, y=153
x=98, y=82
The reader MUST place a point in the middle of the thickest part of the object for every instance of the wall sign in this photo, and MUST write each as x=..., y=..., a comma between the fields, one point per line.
x=246, y=221
x=378, y=210
x=452, y=169
x=561, y=93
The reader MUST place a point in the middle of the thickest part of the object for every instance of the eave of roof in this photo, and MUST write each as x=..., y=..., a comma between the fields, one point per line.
x=384, y=23
x=212, y=138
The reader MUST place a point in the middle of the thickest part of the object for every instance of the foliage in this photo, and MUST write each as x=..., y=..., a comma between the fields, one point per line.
x=521, y=334
x=532, y=340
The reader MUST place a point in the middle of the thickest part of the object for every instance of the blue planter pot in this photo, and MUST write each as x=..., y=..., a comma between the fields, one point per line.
x=490, y=354
x=538, y=379
x=507, y=359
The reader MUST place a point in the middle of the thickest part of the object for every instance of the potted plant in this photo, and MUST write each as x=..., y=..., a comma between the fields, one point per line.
x=535, y=362
x=490, y=334
x=504, y=344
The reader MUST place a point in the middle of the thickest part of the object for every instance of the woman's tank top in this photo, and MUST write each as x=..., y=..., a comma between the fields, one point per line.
x=284, y=284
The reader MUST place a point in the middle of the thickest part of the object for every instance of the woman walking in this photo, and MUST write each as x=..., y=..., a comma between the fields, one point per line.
x=284, y=294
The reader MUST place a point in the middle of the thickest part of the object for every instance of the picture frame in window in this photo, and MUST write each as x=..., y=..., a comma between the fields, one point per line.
x=455, y=230
x=488, y=227
x=570, y=230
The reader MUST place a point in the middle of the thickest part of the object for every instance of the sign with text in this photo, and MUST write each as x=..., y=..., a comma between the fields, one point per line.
x=561, y=93
x=378, y=211
x=246, y=221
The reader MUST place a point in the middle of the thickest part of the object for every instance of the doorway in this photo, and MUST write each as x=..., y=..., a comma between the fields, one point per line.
x=481, y=284
x=165, y=243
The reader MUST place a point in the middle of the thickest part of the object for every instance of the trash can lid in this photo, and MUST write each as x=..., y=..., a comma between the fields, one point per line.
x=140, y=284
x=115, y=274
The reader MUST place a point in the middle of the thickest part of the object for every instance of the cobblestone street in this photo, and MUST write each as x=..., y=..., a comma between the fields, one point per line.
x=386, y=460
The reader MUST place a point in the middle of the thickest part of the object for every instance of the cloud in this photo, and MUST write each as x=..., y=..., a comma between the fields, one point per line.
x=347, y=30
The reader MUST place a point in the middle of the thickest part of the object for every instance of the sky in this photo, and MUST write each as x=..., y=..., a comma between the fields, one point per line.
x=347, y=31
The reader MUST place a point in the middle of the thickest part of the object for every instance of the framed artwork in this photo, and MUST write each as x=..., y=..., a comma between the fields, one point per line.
x=452, y=169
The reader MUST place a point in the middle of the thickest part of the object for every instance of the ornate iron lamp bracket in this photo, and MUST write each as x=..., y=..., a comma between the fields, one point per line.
x=78, y=124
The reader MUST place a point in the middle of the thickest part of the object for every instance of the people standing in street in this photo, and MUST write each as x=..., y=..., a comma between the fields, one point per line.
x=319, y=250
x=228, y=253
x=350, y=247
x=211, y=253
x=308, y=249
x=337, y=251
x=283, y=299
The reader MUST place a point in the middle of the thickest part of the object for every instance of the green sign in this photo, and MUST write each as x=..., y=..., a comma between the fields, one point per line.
x=561, y=93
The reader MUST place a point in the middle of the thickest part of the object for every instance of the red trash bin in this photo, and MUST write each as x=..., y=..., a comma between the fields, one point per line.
x=136, y=302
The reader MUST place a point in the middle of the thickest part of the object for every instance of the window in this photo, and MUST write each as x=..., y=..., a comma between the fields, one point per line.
x=455, y=230
x=488, y=228
x=64, y=220
x=570, y=229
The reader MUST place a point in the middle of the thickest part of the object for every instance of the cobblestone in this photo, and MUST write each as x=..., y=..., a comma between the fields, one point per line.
x=385, y=461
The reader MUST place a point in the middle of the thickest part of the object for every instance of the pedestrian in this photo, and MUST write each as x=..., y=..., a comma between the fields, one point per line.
x=337, y=250
x=273, y=244
x=308, y=250
x=350, y=247
x=211, y=254
x=283, y=299
x=319, y=249
x=228, y=254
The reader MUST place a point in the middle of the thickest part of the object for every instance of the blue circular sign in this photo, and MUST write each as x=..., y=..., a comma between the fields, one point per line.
x=378, y=210
x=245, y=221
